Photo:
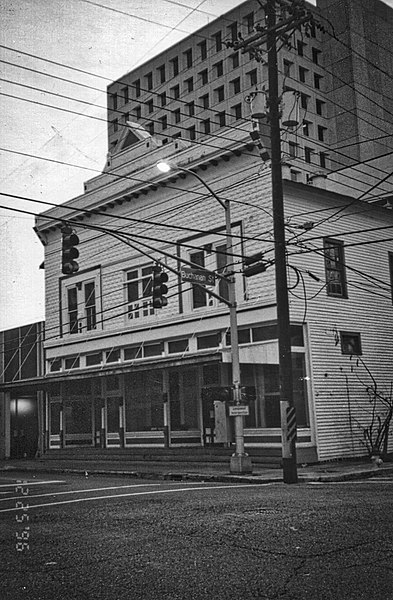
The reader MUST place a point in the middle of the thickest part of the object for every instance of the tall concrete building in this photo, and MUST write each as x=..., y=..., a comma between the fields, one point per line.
x=123, y=373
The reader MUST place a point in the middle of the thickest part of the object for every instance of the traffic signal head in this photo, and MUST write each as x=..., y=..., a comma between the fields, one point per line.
x=254, y=264
x=69, y=251
x=159, y=288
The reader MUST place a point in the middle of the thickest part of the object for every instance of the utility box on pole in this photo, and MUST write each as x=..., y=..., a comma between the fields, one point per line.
x=223, y=429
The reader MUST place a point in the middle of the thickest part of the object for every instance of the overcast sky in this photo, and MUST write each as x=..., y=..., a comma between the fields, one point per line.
x=83, y=35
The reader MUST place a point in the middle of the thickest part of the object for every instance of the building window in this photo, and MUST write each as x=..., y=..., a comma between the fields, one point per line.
x=93, y=359
x=80, y=306
x=112, y=356
x=203, y=49
x=249, y=22
x=137, y=112
x=315, y=55
x=304, y=100
x=235, y=83
x=71, y=362
x=350, y=343
x=113, y=101
x=192, y=132
x=175, y=92
x=218, y=41
x=211, y=340
x=137, y=87
x=221, y=118
x=219, y=92
x=150, y=128
x=139, y=292
x=237, y=111
x=322, y=159
x=303, y=74
x=150, y=106
x=235, y=60
x=115, y=125
x=253, y=77
x=164, y=122
x=232, y=31
x=188, y=58
x=163, y=98
x=293, y=149
x=175, y=66
x=213, y=258
x=189, y=83
x=219, y=67
x=206, y=126
x=320, y=107
x=178, y=346
x=300, y=48
x=176, y=115
x=205, y=101
x=149, y=81
x=307, y=128
x=287, y=68
x=317, y=81
x=321, y=133
x=125, y=94
x=161, y=73
x=335, y=268
x=308, y=154
x=204, y=76
x=191, y=109
x=126, y=117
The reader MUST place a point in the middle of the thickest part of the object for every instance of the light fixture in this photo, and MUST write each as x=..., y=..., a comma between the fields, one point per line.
x=163, y=167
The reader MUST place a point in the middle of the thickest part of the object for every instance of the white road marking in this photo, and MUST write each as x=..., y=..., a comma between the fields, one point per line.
x=24, y=482
x=353, y=481
x=186, y=489
x=114, y=487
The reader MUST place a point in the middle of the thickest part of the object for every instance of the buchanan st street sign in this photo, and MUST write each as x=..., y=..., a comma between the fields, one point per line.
x=200, y=276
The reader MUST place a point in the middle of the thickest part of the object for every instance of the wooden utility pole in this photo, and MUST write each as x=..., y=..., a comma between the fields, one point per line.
x=297, y=15
x=287, y=409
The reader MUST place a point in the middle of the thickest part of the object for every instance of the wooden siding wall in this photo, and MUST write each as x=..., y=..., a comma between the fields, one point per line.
x=340, y=399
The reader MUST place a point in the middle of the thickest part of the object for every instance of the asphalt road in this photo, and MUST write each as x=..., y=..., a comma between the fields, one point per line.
x=117, y=538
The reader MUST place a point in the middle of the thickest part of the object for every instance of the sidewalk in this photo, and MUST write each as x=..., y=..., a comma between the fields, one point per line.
x=322, y=472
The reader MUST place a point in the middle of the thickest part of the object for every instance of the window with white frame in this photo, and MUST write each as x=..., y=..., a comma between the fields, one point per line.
x=214, y=258
x=81, y=305
x=139, y=292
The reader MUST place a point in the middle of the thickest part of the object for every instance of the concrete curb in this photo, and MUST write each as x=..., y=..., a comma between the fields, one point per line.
x=313, y=477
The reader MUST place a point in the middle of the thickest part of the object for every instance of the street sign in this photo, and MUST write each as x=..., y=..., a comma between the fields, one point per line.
x=239, y=410
x=197, y=276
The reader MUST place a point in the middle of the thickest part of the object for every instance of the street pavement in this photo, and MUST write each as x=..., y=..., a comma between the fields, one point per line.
x=345, y=470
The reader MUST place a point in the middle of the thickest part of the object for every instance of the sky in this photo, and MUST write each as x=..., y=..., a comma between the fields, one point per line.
x=107, y=42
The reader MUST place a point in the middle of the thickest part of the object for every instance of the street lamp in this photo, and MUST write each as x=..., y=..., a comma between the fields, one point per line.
x=240, y=461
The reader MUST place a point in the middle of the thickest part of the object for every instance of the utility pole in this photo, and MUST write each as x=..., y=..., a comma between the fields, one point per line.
x=287, y=408
x=294, y=15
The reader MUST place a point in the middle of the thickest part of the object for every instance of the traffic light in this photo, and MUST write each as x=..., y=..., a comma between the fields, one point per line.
x=69, y=251
x=254, y=264
x=159, y=288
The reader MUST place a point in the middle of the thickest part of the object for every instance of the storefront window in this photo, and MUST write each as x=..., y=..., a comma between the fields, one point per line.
x=78, y=416
x=183, y=399
x=144, y=401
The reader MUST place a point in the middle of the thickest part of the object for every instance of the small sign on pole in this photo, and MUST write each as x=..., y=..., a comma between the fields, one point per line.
x=198, y=276
x=239, y=410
